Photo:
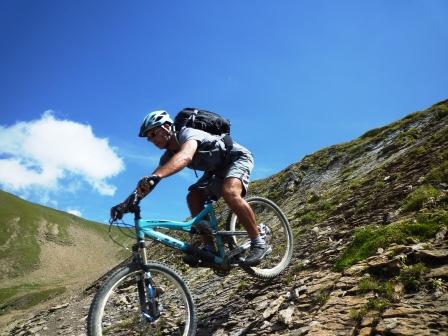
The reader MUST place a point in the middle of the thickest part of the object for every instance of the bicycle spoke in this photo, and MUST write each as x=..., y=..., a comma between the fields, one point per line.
x=277, y=233
x=121, y=311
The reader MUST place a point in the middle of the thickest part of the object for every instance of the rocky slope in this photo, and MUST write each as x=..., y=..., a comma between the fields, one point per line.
x=370, y=220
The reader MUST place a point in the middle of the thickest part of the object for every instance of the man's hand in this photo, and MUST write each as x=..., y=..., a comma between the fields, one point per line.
x=147, y=184
x=117, y=211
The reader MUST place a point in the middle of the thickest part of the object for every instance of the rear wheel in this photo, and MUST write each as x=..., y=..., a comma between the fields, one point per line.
x=274, y=226
x=168, y=306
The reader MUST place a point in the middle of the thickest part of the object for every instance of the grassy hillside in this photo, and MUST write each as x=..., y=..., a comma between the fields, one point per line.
x=45, y=252
x=387, y=174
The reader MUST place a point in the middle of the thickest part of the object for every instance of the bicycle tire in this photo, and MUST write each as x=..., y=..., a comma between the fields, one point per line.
x=115, y=309
x=280, y=237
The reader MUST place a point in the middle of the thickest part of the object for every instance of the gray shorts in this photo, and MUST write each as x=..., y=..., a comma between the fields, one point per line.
x=211, y=182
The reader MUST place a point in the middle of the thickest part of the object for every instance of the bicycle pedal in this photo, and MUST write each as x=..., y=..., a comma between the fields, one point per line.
x=237, y=261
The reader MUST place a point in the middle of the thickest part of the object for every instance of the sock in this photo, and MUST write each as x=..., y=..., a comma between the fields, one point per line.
x=257, y=241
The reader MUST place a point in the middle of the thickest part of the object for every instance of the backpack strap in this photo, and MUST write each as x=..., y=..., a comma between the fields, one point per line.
x=191, y=118
x=228, y=143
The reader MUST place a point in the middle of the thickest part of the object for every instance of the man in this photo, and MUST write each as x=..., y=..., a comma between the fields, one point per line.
x=226, y=172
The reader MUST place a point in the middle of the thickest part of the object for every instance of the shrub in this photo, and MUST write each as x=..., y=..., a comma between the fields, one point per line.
x=419, y=197
x=439, y=174
x=367, y=240
x=383, y=288
x=411, y=276
x=377, y=304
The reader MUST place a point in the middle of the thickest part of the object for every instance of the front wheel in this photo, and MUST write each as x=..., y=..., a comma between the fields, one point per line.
x=274, y=226
x=130, y=304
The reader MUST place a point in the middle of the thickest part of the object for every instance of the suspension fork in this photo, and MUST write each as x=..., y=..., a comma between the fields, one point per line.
x=146, y=288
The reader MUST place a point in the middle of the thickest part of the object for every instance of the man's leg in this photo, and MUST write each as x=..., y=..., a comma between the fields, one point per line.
x=232, y=193
x=195, y=201
x=232, y=190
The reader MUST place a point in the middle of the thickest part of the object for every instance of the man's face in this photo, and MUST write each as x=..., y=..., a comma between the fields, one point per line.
x=159, y=136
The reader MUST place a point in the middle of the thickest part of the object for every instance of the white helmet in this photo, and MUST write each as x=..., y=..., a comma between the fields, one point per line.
x=154, y=119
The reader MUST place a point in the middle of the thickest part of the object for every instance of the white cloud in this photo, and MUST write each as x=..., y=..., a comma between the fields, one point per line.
x=48, y=153
x=74, y=212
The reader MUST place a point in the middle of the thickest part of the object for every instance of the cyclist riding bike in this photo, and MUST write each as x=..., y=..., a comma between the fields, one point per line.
x=226, y=170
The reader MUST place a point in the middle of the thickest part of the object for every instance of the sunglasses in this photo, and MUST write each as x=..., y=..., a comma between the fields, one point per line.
x=152, y=133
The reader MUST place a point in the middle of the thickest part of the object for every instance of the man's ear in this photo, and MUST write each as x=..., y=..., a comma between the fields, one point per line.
x=167, y=127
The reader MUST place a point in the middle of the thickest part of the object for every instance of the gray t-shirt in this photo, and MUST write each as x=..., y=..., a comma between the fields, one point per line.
x=210, y=154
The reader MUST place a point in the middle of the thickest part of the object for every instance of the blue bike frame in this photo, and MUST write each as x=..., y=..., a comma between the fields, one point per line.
x=149, y=228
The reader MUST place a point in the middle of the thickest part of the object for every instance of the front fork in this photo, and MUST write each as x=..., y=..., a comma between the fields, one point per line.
x=147, y=290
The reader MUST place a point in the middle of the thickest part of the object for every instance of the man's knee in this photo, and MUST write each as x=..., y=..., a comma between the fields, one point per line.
x=194, y=196
x=232, y=188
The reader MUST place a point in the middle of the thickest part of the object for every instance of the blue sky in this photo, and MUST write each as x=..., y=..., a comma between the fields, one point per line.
x=77, y=78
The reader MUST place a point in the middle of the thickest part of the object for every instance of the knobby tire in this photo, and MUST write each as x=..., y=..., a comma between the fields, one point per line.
x=126, y=312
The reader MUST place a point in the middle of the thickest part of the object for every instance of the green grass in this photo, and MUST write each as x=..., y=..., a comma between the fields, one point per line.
x=439, y=174
x=384, y=291
x=367, y=240
x=28, y=300
x=378, y=304
x=415, y=200
x=412, y=276
x=7, y=293
x=383, y=288
x=21, y=223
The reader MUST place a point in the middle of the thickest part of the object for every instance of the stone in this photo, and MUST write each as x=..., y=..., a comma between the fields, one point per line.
x=273, y=307
x=366, y=331
x=400, y=311
x=55, y=308
x=440, y=272
x=384, y=265
x=402, y=327
x=355, y=269
x=440, y=236
x=285, y=316
x=433, y=256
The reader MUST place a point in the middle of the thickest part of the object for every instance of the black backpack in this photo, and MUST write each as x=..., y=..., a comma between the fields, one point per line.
x=207, y=121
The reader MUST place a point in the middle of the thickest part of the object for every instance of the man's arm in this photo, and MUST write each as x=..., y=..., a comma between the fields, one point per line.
x=179, y=160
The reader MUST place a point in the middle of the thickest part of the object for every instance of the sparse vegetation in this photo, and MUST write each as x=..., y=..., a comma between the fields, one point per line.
x=436, y=285
x=291, y=275
x=30, y=299
x=439, y=174
x=411, y=276
x=367, y=240
x=379, y=304
x=358, y=314
x=415, y=200
x=321, y=297
x=243, y=285
x=385, y=289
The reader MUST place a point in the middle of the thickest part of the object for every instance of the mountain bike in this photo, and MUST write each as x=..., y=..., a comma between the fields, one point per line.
x=151, y=298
